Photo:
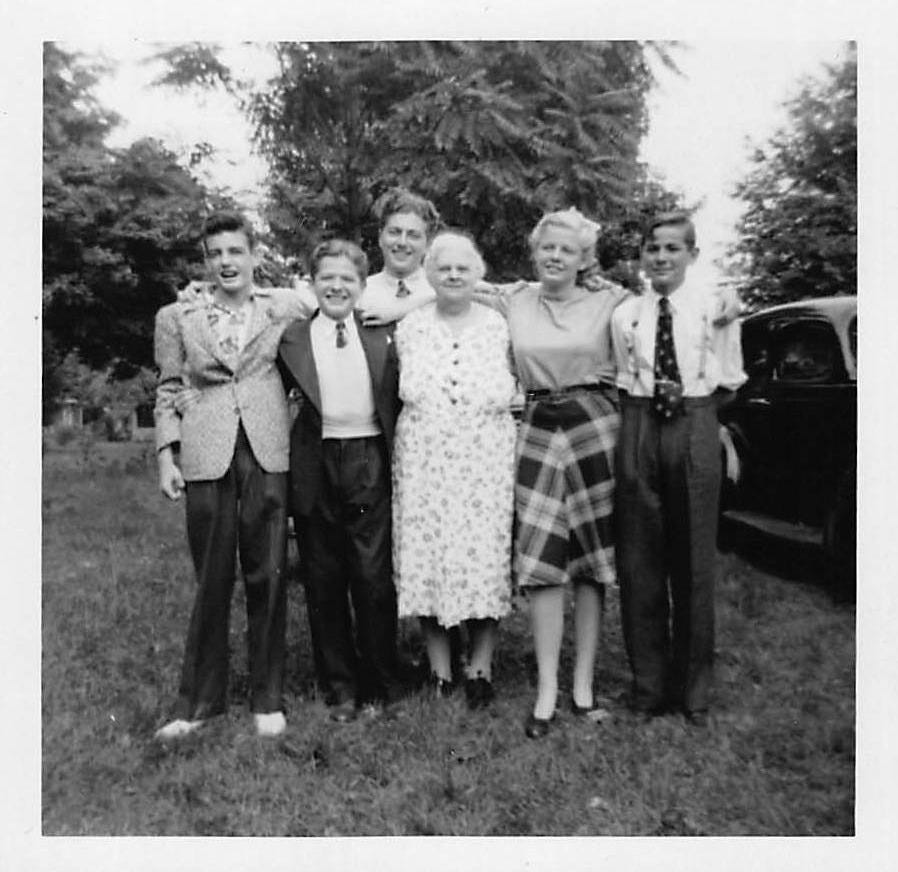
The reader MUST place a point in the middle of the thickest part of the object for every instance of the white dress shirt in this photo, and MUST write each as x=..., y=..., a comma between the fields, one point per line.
x=708, y=357
x=347, y=398
x=381, y=288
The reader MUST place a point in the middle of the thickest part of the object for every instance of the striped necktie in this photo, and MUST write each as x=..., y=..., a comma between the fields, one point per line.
x=341, y=334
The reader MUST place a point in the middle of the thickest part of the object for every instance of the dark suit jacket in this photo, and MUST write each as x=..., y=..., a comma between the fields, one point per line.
x=297, y=365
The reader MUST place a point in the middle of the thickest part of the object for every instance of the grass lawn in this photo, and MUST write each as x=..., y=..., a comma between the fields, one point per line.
x=777, y=759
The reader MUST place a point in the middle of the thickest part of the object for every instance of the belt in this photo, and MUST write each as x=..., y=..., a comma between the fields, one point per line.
x=558, y=393
x=688, y=402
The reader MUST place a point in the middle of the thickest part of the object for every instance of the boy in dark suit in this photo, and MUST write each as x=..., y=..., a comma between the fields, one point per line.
x=344, y=378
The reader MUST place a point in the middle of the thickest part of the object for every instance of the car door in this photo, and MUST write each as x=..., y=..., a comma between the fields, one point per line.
x=806, y=397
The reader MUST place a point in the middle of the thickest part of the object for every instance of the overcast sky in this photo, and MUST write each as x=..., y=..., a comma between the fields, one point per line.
x=729, y=93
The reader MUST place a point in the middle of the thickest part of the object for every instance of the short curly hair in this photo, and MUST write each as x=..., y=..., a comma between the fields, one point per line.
x=452, y=235
x=398, y=200
x=339, y=248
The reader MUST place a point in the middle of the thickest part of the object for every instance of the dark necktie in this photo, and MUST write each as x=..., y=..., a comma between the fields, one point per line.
x=402, y=289
x=668, y=397
x=341, y=334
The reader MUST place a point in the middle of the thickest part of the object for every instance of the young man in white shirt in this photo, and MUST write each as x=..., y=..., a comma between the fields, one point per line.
x=675, y=363
x=407, y=224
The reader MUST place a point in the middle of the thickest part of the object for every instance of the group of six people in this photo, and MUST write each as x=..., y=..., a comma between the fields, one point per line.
x=378, y=413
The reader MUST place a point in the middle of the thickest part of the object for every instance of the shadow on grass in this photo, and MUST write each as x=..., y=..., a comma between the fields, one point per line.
x=791, y=561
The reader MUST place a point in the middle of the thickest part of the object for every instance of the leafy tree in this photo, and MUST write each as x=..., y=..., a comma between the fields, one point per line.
x=494, y=133
x=798, y=235
x=119, y=231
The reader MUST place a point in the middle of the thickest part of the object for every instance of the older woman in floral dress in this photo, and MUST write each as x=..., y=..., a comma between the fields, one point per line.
x=453, y=468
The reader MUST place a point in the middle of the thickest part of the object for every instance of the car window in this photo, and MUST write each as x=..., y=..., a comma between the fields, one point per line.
x=806, y=351
x=755, y=352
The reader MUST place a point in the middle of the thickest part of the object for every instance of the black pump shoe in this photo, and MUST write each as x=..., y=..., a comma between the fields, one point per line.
x=538, y=728
x=479, y=692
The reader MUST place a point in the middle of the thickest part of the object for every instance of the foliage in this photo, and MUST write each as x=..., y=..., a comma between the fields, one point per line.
x=119, y=231
x=494, y=132
x=117, y=586
x=798, y=236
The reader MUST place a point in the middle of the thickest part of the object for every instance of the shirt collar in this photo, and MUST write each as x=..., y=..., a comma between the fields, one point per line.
x=224, y=307
x=677, y=298
x=328, y=325
x=410, y=280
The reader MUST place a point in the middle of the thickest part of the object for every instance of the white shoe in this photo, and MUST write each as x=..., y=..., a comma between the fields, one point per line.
x=270, y=724
x=177, y=729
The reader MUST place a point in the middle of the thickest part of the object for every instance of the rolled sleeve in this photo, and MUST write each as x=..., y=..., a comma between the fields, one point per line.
x=726, y=345
x=300, y=300
x=620, y=345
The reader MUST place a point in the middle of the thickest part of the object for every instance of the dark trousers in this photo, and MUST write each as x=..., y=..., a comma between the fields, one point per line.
x=345, y=546
x=667, y=492
x=243, y=511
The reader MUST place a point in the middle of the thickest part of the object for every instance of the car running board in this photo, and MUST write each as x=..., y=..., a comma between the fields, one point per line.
x=801, y=533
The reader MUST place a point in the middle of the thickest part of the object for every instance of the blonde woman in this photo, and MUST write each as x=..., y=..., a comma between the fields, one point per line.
x=564, y=486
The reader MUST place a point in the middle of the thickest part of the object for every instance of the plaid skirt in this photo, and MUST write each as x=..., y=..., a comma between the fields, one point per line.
x=564, y=491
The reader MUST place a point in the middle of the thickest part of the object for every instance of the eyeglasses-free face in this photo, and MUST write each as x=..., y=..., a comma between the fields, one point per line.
x=403, y=242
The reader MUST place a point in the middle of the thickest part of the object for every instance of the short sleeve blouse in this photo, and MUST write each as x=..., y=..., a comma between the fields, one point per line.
x=559, y=343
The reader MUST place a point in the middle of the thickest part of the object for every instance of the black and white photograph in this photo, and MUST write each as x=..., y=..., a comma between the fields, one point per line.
x=449, y=439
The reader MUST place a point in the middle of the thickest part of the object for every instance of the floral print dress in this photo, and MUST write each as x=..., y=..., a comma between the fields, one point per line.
x=453, y=468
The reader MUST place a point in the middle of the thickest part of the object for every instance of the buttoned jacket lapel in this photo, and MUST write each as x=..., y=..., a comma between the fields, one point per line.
x=375, y=353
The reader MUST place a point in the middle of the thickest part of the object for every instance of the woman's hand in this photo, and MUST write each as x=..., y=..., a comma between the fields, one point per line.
x=184, y=399
x=171, y=482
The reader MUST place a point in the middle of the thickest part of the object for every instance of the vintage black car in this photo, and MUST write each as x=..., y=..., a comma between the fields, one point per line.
x=789, y=437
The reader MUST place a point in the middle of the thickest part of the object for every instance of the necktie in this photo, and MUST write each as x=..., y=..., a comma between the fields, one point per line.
x=402, y=289
x=668, y=396
x=341, y=334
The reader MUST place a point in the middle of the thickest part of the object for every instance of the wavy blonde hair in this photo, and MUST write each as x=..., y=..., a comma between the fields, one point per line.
x=586, y=230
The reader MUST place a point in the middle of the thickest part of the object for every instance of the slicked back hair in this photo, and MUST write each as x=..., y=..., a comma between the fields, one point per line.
x=670, y=219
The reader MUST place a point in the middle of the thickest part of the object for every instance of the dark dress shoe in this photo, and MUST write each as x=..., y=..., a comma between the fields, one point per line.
x=442, y=687
x=344, y=712
x=479, y=692
x=537, y=728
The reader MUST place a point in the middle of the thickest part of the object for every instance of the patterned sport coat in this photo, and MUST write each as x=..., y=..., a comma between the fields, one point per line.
x=188, y=355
